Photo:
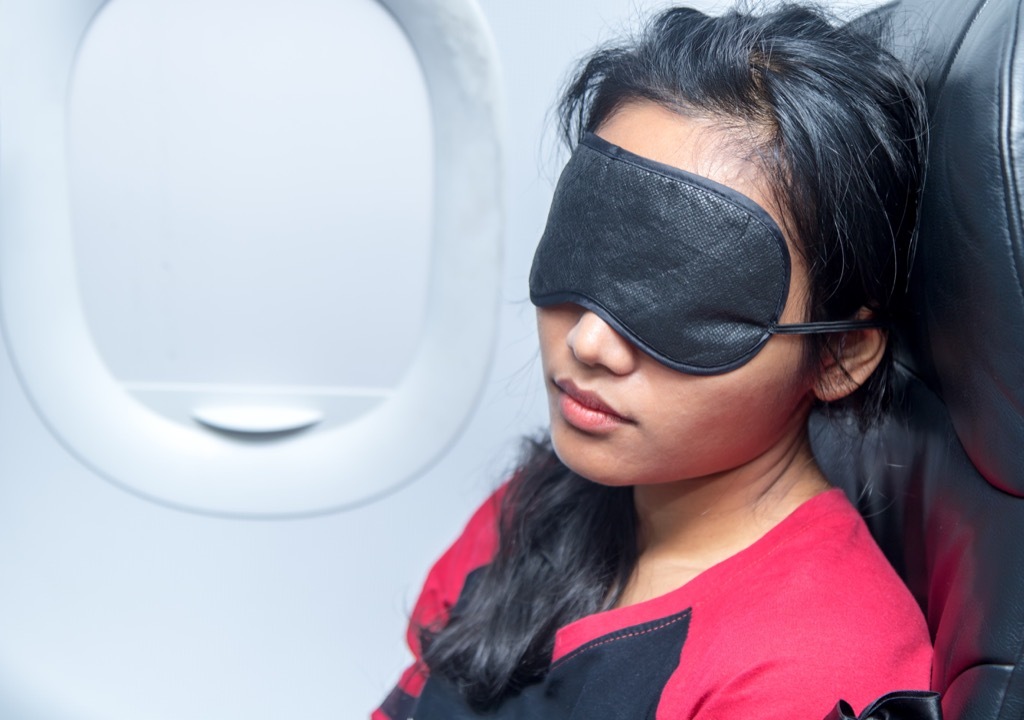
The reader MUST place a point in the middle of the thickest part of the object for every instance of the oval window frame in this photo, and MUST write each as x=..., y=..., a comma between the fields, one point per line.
x=191, y=467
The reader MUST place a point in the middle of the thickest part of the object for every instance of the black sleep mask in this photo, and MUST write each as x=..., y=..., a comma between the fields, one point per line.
x=692, y=272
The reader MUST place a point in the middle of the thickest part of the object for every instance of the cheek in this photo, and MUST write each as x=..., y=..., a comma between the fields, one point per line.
x=712, y=423
x=687, y=426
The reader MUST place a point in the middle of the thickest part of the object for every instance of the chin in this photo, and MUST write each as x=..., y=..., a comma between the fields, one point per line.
x=588, y=457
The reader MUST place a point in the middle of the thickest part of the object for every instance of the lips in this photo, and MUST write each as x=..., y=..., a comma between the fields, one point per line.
x=586, y=410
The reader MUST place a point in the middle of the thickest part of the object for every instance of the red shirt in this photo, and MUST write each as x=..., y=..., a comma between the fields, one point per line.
x=809, y=614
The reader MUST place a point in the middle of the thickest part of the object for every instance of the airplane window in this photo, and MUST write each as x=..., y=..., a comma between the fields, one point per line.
x=251, y=188
x=251, y=243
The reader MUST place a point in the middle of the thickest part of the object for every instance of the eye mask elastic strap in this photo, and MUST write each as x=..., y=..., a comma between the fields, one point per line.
x=827, y=326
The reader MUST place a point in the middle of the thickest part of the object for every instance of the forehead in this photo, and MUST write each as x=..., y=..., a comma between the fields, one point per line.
x=703, y=146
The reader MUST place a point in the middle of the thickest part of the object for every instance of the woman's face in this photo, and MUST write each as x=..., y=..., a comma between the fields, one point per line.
x=619, y=417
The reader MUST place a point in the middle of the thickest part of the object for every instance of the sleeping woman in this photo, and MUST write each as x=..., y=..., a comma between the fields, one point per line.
x=724, y=252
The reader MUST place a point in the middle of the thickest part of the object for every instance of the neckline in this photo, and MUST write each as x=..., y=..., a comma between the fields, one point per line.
x=704, y=585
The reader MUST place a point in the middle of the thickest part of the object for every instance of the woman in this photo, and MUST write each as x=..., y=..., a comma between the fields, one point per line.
x=724, y=251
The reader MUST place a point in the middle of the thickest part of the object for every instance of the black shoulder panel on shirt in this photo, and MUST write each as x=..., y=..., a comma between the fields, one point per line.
x=618, y=675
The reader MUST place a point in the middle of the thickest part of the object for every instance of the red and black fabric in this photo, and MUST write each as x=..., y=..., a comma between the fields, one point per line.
x=618, y=675
x=809, y=614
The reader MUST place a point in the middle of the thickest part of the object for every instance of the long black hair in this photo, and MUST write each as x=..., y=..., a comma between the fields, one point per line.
x=836, y=124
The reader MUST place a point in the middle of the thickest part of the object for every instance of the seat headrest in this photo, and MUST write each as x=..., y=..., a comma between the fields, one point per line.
x=967, y=287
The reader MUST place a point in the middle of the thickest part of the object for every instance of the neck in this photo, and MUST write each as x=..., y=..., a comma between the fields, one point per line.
x=689, y=525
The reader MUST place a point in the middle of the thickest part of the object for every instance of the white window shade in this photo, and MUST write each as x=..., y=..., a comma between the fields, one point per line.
x=251, y=191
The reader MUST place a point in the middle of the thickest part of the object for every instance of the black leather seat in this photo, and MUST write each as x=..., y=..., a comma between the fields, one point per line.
x=941, y=483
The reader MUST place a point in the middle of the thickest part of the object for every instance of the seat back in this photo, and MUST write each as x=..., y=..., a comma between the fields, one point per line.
x=941, y=482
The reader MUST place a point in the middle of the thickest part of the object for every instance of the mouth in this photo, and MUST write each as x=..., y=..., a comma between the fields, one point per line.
x=586, y=410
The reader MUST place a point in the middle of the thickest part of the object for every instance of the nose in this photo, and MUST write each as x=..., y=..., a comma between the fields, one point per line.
x=595, y=343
